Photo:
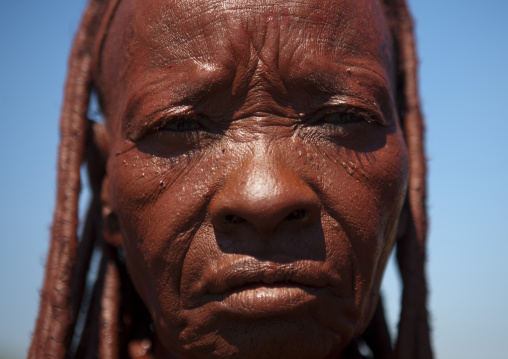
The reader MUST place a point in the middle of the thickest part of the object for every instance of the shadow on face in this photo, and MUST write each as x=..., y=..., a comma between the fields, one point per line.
x=256, y=169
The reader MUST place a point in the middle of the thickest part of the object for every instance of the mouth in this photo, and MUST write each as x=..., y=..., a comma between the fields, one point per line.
x=259, y=289
x=260, y=299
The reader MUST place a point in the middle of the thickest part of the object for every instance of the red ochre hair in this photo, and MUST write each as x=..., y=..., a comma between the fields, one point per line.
x=87, y=315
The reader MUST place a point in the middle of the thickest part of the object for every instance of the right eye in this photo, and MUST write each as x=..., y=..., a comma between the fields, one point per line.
x=181, y=124
x=174, y=136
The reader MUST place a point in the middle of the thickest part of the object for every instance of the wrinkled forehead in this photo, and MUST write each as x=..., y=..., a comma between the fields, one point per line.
x=197, y=27
x=227, y=33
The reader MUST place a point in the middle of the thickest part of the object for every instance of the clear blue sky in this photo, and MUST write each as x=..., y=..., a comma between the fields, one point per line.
x=463, y=49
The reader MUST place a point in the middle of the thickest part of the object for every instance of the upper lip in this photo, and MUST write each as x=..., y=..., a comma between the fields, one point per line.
x=245, y=271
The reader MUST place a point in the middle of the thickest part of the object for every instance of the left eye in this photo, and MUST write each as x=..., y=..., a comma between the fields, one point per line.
x=341, y=118
x=181, y=124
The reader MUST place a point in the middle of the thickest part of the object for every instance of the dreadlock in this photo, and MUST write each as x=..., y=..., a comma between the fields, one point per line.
x=104, y=317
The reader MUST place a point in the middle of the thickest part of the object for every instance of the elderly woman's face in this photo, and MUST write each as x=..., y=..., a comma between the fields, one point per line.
x=256, y=168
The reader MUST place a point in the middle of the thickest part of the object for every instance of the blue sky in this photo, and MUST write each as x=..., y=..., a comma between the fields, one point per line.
x=464, y=85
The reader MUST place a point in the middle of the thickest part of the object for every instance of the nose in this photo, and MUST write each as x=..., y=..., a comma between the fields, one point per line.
x=264, y=197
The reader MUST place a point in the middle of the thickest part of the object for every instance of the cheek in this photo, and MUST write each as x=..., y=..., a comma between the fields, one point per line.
x=362, y=194
x=161, y=205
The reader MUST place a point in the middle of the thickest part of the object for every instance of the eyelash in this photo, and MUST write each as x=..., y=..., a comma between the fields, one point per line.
x=344, y=119
x=178, y=135
x=180, y=124
x=340, y=125
x=341, y=118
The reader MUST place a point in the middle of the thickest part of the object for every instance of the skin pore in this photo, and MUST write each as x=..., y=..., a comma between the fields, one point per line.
x=256, y=170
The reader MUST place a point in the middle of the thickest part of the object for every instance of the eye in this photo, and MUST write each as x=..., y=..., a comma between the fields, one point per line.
x=181, y=124
x=342, y=118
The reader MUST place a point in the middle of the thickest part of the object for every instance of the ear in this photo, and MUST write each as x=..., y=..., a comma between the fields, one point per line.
x=110, y=224
x=97, y=155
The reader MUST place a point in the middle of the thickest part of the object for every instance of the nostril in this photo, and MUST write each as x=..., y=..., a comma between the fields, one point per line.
x=298, y=215
x=264, y=205
x=232, y=219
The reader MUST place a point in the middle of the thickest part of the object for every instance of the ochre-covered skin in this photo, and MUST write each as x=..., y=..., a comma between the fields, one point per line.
x=256, y=170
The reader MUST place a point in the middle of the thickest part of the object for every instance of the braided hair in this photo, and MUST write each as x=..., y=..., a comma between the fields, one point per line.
x=88, y=313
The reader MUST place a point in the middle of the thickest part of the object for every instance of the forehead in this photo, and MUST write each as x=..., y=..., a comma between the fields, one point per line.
x=195, y=28
x=292, y=36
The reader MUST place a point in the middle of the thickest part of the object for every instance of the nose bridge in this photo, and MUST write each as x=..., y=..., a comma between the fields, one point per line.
x=263, y=193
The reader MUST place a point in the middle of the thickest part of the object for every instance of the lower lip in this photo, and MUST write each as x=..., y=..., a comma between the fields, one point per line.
x=265, y=300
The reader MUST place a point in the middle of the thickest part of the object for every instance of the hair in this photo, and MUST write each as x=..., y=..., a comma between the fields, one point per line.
x=83, y=314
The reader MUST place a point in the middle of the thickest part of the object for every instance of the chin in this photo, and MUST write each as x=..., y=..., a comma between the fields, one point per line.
x=216, y=331
x=272, y=338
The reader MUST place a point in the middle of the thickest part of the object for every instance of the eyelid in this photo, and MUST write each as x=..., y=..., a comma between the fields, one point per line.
x=138, y=129
x=369, y=115
x=191, y=120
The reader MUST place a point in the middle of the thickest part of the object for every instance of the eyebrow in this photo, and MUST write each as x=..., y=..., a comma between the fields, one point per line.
x=142, y=104
x=344, y=78
x=336, y=74
x=176, y=91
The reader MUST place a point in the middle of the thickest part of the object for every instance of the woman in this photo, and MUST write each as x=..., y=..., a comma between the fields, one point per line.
x=257, y=163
